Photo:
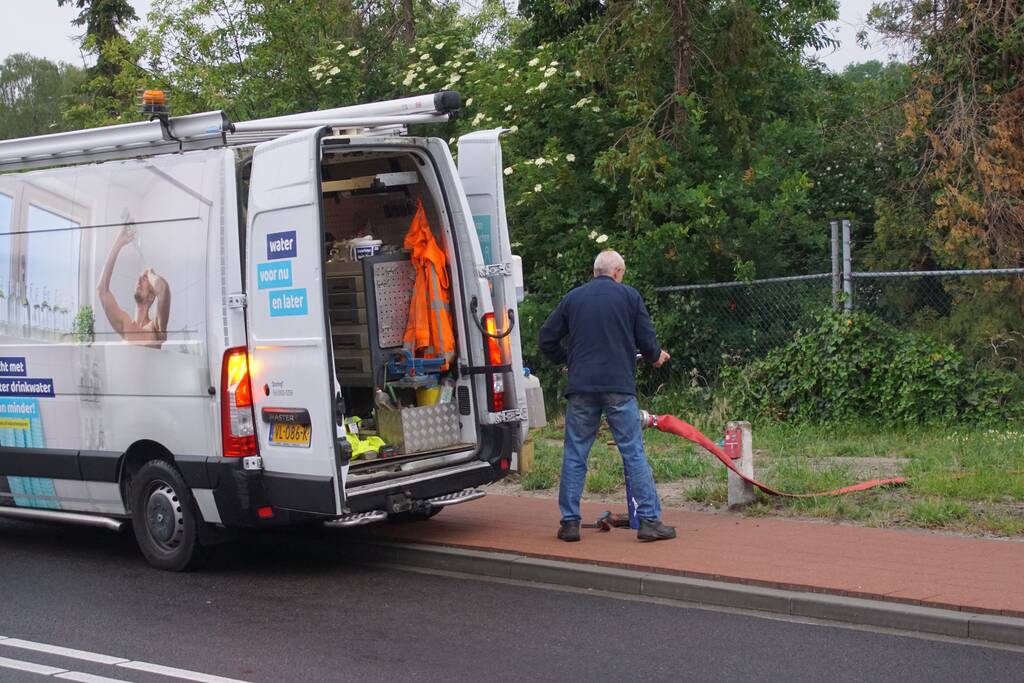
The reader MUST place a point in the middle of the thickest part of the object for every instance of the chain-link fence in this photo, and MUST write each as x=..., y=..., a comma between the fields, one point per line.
x=978, y=311
x=734, y=322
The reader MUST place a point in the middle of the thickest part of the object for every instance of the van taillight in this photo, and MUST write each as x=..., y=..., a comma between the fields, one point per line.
x=237, y=425
x=493, y=348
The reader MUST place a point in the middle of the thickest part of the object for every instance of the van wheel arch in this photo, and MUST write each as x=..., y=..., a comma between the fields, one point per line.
x=137, y=455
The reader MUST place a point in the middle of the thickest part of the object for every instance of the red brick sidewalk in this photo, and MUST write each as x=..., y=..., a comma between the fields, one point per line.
x=916, y=567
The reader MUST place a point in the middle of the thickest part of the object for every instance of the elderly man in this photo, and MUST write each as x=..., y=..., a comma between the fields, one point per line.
x=605, y=322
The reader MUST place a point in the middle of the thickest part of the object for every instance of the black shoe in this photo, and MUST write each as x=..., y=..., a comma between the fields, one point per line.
x=569, y=530
x=654, y=530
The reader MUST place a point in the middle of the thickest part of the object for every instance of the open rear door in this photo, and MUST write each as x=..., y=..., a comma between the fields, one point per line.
x=481, y=172
x=291, y=364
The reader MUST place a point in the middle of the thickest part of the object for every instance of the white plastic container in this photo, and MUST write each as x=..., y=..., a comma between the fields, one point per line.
x=361, y=247
x=535, y=402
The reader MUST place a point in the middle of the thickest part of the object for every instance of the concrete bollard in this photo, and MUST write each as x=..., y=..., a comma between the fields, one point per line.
x=739, y=446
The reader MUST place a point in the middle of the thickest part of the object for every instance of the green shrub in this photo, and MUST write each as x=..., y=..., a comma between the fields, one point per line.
x=83, y=325
x=856, y=366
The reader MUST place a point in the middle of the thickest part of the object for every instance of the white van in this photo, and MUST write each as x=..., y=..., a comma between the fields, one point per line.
x=191, y=308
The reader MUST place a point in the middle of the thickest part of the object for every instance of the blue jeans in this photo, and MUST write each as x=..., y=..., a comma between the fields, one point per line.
x=582, y=420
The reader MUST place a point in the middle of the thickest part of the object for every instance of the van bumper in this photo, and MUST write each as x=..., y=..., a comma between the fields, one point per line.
x=497, y=444
x=239, y=493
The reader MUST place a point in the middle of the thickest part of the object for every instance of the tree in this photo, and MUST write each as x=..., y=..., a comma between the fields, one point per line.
x=104, y=21
x=279, y=56
x=31, y=93
x=965, y=107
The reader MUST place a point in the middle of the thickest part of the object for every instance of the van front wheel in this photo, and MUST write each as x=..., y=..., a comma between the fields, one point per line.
x=163, y=518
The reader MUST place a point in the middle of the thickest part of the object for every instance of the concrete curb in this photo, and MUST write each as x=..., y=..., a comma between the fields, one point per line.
x=865, y=612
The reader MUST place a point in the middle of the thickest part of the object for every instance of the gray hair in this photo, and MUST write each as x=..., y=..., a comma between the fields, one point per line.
x=607, y=261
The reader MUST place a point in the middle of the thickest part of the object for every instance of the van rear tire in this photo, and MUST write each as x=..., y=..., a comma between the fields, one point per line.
x=164, y=518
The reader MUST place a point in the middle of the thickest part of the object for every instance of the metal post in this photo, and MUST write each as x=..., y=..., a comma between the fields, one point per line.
x=847, y=267
x=837, y=273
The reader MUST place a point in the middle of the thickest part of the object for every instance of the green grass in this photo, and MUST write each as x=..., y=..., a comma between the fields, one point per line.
x=960, y=477
x=539, y=479
x=547, y=460
x=603, y=481
x=708, y=492
x=938, y=512
x=1002, y=524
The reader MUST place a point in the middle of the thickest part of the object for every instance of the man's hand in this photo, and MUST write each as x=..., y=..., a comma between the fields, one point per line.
x=662, y=359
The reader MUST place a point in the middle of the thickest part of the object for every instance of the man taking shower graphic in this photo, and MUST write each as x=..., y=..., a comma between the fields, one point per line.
x=142, y=330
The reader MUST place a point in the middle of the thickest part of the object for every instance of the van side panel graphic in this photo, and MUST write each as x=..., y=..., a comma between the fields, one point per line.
x=104, y=313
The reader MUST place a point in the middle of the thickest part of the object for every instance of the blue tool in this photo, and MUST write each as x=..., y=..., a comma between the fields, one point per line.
x=414, y=371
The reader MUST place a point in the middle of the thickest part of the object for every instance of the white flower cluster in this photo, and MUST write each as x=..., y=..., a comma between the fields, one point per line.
x=425, y=68
x=324, y=71
x=990, y=435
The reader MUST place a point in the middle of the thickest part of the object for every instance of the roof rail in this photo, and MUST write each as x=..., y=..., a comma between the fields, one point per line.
x=212, y=129
x=122, y=139
x=440, y=105
x=286, y=123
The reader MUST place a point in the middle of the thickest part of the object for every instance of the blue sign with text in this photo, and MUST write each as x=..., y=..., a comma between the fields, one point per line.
x=281, y=245
x=18, y=407
x=13, y=367
x=274, y=275
x=288, y=302
x=28, y=386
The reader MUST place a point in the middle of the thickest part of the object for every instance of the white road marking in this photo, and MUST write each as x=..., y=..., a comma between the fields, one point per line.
x=183, y=674
x=31, y=667
x=62, y=651
x=88, y=678
x=178, y=673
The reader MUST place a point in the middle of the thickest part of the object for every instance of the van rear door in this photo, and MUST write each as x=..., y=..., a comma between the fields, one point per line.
x=290, y=354
x=480, y=168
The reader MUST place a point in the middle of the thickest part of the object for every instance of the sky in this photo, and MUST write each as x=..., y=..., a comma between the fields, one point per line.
x=45, y=30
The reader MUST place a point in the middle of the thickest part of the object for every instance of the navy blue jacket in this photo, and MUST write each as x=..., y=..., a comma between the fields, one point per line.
x=606, y=322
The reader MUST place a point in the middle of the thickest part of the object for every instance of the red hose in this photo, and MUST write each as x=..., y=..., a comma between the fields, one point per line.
x=673, y=425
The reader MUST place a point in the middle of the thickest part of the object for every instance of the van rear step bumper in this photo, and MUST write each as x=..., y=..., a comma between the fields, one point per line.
x=357, y=519
x=361, y=518
x=463, y=496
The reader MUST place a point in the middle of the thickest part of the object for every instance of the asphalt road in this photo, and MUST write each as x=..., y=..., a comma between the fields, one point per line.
x=288, y=608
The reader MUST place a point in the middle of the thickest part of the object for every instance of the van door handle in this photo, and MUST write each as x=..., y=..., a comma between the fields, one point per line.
x=474, y=305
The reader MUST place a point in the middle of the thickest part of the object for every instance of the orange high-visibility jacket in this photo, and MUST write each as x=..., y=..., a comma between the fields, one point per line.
x=429, y=332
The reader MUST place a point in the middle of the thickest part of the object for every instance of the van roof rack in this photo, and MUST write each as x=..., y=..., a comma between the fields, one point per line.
x=213, y=129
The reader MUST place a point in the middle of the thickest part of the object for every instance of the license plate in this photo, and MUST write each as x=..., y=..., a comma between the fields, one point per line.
x=287, y=434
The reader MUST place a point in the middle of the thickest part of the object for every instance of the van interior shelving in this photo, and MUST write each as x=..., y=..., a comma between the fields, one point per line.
x=369, y=200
